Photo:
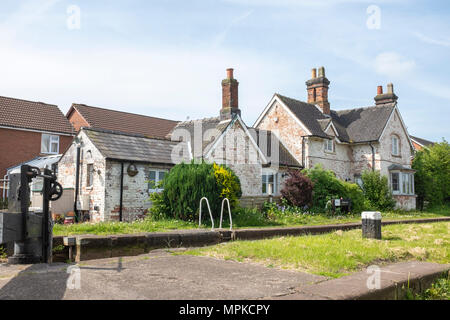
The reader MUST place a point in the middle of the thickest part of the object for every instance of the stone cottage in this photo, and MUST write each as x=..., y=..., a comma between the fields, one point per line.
x=109, y=174
x=345, y=141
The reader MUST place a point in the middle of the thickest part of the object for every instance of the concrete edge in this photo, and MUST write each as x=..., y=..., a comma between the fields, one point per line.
x=89, y=247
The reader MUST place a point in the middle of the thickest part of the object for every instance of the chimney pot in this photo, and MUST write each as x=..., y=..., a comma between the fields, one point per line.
x=321, y=72
x=379, y=90
x=314, y=73
x=230, y=73
x=390, y=88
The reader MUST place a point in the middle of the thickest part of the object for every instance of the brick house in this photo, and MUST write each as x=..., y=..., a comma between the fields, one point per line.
x=345, y=141
x=29, y=130
x=420, y=143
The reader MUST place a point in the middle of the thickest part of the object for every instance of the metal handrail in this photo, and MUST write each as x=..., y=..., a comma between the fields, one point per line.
x=229, y=212
x=200, y=213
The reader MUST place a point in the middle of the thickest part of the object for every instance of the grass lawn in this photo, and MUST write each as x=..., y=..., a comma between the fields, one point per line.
x=241, y=219
x=440, y=290
x=341, y=253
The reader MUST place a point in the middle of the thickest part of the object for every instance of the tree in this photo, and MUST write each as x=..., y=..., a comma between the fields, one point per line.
x=298, y=189
x=432, y=178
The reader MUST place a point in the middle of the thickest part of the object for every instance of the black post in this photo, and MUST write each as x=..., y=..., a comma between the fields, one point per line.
x=45, y=219
x=77, y=184
x=121, y=194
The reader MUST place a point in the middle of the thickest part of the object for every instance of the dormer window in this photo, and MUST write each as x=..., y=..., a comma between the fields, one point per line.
x=329, y=145
x=395, y=146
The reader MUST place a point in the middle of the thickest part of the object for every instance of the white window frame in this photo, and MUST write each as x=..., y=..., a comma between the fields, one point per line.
x=157, y=180
x=327, y=144
x=405, y=183
x=52, y=140
x=265, y=182
x=395, y=148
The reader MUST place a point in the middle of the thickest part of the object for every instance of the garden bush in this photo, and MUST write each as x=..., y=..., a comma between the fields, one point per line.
x=327, y=186
x=376, y=191
x=297, y=189
x=186, y=184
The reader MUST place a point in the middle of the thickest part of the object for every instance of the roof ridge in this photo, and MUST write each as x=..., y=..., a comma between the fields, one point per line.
x=191, y=121
x=283, y=96
x=364, y=108
x=24, y=100
x=116, y=132
x=119, y=111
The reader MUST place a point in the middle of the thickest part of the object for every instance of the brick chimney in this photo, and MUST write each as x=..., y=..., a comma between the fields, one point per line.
x=230, y=102
x=317, y=88
x=383, y=98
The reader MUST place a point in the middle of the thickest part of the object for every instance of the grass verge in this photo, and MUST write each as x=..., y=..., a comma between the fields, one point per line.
x=341, y=253
x=242, y=218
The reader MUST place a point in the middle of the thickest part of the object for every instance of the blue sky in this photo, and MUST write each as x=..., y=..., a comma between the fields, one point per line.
x=166, y=58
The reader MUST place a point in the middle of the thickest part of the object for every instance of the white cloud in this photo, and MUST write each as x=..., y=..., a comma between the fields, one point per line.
x=443, y=43
x=394, y=65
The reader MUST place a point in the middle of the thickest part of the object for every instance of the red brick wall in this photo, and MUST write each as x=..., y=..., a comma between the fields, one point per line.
x=17, y=146
x=77, y=120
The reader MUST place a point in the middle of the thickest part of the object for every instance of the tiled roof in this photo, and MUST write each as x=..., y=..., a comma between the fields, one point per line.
x=307, y=113
x=40, y=116
x=363, y=124
x=107, y=119
x=353, y=125
x=422, y=141
x=139, y=148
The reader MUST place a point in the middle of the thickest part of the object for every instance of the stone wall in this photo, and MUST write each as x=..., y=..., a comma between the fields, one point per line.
x=278, y=120
x=95, y=194
x=135, y=201
x=239, y=153
x=405, y=202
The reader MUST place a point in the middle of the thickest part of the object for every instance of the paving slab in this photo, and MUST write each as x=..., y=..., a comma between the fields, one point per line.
x=394, y=279
x=158, y=275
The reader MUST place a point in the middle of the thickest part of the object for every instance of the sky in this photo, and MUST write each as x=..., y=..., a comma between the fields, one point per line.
x=166, y=58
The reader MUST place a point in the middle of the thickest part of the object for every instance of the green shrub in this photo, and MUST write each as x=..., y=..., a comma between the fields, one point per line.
x=432, y=177
x=327, y=186
x=376, y=191
x=186, y=184
x=354, y=192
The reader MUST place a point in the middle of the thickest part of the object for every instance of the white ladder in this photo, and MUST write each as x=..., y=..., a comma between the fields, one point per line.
x=229, y=212
x=200, y=214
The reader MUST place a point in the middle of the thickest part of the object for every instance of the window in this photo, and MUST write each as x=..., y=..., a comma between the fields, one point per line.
x=402, y=183
x=49, y=144
x=395, y=146
x=156, y=178
x=329, y=145
x=89, y=175
x=269, y=183
x=395, y=182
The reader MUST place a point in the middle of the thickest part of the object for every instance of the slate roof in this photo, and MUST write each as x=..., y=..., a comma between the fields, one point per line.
x=352, y=125
x=139, y=148
x=40, y=116
x=206, y=124
x=100, y=118
x=422, y=141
